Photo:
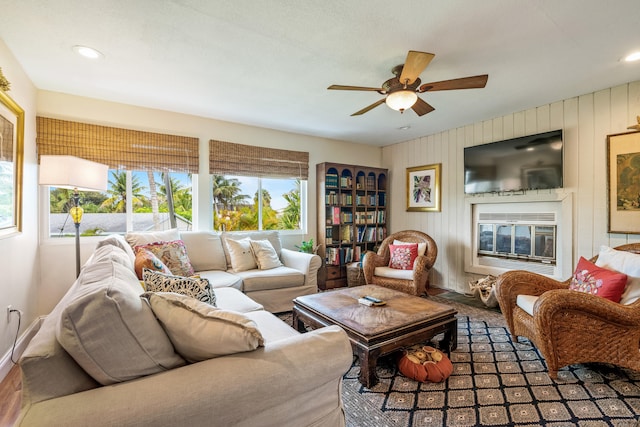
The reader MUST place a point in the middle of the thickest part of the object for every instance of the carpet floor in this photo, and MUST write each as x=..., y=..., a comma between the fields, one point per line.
x=495, y=382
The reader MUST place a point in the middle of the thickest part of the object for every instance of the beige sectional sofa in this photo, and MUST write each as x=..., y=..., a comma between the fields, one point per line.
x=273, y=288
x=102, y=358
x=209, y=255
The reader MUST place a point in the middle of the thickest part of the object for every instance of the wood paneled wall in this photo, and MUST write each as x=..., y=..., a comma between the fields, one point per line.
x=586, y=121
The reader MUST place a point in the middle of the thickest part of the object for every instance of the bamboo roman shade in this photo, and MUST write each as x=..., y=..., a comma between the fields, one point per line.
x=119, y=148
x=227, y=158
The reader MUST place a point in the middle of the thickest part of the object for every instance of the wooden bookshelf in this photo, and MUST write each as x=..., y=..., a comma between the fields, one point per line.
x=352, y=216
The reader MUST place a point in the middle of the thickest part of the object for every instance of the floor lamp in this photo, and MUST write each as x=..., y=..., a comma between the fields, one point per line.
x=77, y=174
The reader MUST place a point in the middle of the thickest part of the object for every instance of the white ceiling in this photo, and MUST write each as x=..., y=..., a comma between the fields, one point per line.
x=269, y=63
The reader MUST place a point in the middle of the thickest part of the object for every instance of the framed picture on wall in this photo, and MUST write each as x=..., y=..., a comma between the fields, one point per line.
x=423, y=188
x=11, y=159
x=623, y=166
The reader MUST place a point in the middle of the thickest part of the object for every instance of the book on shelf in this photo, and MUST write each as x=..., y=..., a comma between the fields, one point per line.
x=345, y=182
x=331, y=180
x=336, y=215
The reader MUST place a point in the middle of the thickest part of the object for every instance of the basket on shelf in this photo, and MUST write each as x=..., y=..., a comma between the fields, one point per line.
x=355, y=275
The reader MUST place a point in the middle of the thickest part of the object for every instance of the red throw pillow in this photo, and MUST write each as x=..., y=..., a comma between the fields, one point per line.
x=403, y=256
x=598, y=281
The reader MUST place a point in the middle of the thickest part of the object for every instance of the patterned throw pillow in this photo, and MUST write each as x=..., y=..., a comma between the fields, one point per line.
x=598, y=281
x=173, y=254
x=264, y=254
x=146, y=259
x=194, y=287
x=403, y=256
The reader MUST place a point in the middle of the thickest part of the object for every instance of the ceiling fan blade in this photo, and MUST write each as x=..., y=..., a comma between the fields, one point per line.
x=474, y=82
x=341, y=87
x=415, y=64
x=421, y=107
x=370, y=107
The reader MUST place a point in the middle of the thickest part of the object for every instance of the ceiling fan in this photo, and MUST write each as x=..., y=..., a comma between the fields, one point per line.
x=401, y=91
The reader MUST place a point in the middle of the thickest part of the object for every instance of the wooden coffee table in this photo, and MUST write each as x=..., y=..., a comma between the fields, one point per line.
x=403, y=321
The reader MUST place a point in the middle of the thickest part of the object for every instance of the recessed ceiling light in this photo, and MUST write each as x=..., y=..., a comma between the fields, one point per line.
x=87, y=52
x=404, y=127
x=635, y=56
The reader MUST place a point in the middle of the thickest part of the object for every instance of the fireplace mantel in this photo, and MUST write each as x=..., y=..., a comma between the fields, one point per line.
x=559, y=202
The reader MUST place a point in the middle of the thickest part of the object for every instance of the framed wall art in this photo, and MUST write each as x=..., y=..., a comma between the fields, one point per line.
x=11, y=163
x=423, y=188
x=623, y=166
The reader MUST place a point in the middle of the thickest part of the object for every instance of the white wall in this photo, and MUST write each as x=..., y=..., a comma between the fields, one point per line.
x=19, y=253
x=58, y=258
x=586, y=121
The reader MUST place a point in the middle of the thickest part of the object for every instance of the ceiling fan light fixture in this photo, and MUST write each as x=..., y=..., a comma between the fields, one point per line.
x=400, y=100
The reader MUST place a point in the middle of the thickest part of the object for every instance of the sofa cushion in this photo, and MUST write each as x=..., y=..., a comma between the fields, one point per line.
x=264, y=254
x=205, y=250
x=109, y=331
x=233, y=299
x=145, y=237
x=275, y=278
x=173, y=254
x=110, y=253
x=194, y=287
x=271, y=236
x=601, y=282
x=147, y=259
x=526, y=302
x=272, y=328
x=240, y=254
x=200, y=331
x=120, y=242
x=623, y=262
x=221, y=279
x=393, y=273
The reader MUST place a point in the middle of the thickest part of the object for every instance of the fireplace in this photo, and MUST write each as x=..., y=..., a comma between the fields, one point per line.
x=524, y=235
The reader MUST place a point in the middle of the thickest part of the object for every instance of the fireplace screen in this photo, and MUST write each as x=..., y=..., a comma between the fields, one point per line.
x=522, y=241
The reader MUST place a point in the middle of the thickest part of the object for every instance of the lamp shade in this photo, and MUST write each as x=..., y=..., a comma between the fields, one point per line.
x=401, y=100
x=73, y=172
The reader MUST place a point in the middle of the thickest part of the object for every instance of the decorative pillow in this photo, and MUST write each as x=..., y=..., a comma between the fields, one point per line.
x=403, y=256
x=425, y=364
x=598, y=281
x=146, y=259
x=109, y=331
x=173, y=254
x=623, y=262
x=240, y=254
x=199, y=331
x=193, y=287
x=264, y=254
x=422, y=247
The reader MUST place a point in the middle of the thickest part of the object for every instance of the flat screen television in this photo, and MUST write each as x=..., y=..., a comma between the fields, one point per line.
x=531, y=162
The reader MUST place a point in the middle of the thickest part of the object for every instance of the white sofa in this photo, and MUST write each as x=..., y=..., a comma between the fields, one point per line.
x=101, y=358
x=274, y=288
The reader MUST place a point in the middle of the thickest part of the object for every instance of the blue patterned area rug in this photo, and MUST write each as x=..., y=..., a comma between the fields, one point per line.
x=495, y=382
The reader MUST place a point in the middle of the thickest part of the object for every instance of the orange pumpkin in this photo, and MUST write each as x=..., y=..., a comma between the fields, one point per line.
x=425, y=364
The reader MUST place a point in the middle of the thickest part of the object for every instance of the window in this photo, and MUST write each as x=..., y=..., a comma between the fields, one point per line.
x=137, y=196
x=257, y=188
x=249, y=203
x=111, y=211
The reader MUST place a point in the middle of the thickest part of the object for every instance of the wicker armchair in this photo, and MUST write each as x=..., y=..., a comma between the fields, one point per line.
x=570, y=327
x=417, y=280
